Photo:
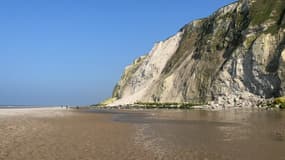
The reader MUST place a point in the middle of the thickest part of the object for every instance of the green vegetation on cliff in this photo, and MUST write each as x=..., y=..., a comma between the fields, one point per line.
x=105, y=102
x=130, y=70
x=166, y=105
x=280, y=101
x=262, y=11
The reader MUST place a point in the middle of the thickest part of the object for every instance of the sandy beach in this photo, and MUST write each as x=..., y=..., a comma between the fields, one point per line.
x=60, y=134
x=55, y=133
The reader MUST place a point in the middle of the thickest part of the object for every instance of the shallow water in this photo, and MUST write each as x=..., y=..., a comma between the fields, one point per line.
x=199, y=134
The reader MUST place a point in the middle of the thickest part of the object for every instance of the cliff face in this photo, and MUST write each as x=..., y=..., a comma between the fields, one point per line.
x=237, y=50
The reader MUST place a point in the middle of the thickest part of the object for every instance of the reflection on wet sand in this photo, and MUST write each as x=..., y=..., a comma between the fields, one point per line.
x=198, y=134
x=153, y=134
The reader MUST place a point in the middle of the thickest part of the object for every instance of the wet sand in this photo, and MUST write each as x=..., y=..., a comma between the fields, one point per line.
x=32, y=134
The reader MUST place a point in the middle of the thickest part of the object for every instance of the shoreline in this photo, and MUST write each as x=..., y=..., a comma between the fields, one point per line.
x=195, y=108
x=45, y=112
x=35, y=112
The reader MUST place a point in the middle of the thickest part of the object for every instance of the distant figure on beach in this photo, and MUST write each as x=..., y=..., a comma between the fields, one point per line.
x=66, y=107
x=77, y=107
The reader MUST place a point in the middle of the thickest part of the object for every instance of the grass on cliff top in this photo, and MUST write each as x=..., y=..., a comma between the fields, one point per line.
x=263, y=10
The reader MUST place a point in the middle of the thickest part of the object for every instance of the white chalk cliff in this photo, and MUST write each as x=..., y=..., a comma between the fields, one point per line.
x=237, y=53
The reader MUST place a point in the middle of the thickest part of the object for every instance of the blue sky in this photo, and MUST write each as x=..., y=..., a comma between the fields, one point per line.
x=74, y=51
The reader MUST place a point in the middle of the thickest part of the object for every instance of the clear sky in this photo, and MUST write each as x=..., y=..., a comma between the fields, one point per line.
x=74, y=51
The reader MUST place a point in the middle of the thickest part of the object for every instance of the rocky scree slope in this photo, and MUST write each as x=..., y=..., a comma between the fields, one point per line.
x=236, y=56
